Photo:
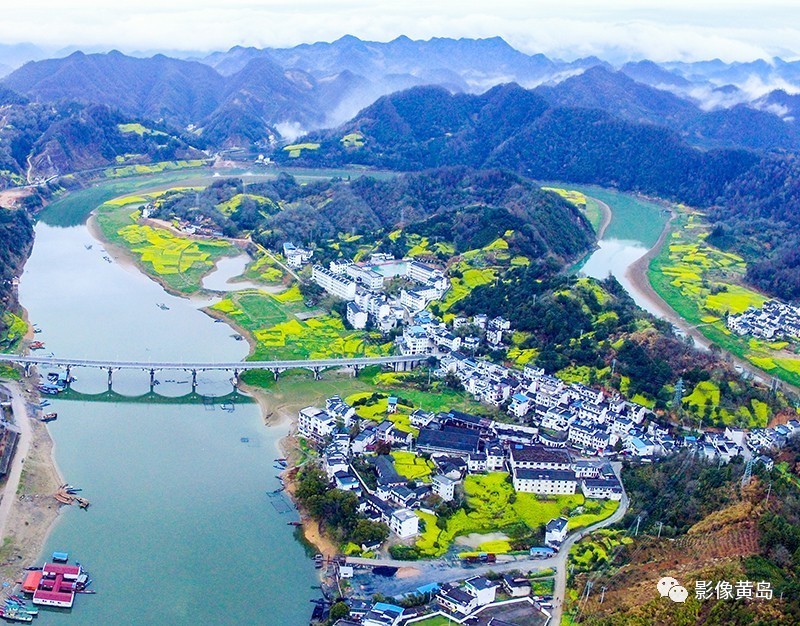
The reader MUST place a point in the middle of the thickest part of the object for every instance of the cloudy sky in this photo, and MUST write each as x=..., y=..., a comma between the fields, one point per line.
x=620, y=30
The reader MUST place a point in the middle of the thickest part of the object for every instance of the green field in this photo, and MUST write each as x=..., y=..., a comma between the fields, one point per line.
x=493, y=506
x=180, y=262
x=15, y=329
x=296, y=149
x=704, y=284
x=278, y=334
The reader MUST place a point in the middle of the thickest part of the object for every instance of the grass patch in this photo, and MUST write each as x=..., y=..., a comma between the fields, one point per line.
x=492, y=505
x=181, y=262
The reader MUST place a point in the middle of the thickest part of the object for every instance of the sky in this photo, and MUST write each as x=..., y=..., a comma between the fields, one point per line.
x=618, y=31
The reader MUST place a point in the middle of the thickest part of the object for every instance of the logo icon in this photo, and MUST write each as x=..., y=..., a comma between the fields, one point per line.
x=669, y=587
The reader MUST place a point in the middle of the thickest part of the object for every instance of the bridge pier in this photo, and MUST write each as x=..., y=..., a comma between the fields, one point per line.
x=235, y=379
x=110, y=377
x=152, y=379
x=356, y=370
x=317, y=373
x=194, y=381
x=276, y=373
x=28, y=367
x=68, y=376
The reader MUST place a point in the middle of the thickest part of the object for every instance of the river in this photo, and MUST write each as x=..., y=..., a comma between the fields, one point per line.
x=181, y=529
x=635, y=227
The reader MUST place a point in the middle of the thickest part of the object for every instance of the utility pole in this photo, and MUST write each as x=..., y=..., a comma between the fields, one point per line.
x=602, y=594
x=638, y=521
x=660, y=526
x=769, y=491
x=588, y=589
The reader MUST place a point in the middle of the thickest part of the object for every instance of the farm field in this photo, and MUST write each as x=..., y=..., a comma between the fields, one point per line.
x=494, y=506
x=179, y=262
x=278, y=334
x=703, y=284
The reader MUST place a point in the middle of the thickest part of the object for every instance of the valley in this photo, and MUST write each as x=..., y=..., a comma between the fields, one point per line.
x=588, y=269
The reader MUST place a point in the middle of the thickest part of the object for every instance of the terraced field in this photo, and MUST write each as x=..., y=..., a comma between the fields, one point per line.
x=704, y=284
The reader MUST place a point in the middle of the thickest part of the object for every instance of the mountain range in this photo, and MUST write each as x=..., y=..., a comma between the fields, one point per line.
x=249, y=97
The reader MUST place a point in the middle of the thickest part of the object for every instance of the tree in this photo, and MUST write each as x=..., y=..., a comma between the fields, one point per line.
x=339, y=611
x=367, y=532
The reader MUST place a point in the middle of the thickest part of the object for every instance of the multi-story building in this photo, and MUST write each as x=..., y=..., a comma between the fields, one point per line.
x=315, y=423
x=336, y=285
x=547, y=482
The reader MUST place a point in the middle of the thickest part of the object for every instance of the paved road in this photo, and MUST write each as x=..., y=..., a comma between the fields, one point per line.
x=230, y=366
x=22, y=420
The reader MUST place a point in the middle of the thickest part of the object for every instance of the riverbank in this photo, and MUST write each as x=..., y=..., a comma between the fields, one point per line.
x=607, y=216
x=638, y=277
x=32, y=511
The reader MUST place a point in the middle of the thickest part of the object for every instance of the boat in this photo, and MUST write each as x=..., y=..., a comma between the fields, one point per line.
x=61, y=557
x=37, y=345
x=107, y=259
x=88, y=246
x=294, y=523
x=52, y=376
x=22, y=605
x=14, y=614
x=49, y=417
x=162, y=306
x=34, y=568
x=37, y=330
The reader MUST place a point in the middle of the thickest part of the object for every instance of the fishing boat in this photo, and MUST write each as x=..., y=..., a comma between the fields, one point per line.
x=37, y=345
x=14, y=614
x=49, y=417
x=22, y=605
x=162, y=306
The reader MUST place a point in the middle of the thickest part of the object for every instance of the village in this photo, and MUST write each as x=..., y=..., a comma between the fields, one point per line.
x=774, y=320
x=560, y=440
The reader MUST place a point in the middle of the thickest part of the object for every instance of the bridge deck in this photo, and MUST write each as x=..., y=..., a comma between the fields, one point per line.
x=201, y=366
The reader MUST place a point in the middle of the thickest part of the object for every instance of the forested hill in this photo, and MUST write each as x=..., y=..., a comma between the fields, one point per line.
x=759, y=217
x=16, y=237
x=462, y=208
x=41, y=140
x=513, y=128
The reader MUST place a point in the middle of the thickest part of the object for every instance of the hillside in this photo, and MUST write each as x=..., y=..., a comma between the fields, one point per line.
x=513, y=128
x=697, y=523
x=38, y=141
x=457, y=206
x=16, y=238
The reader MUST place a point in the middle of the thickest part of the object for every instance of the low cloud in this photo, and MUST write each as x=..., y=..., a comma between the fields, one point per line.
x=619, y=31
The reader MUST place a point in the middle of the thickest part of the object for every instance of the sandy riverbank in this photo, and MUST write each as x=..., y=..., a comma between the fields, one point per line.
x=34, y=510
x=607, y=215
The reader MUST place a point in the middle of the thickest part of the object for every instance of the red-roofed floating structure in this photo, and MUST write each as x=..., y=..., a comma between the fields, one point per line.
x=57, y=585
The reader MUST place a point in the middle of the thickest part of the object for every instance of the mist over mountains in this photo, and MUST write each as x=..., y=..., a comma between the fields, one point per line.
x=250, y=96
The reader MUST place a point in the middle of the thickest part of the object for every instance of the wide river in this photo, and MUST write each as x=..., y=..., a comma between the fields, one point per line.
x=635, y=227
x=181, y=529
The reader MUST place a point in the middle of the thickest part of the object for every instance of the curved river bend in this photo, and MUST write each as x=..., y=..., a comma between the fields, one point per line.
x=181, y=530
